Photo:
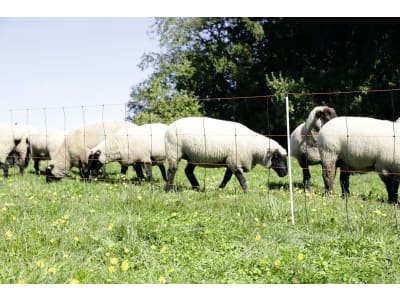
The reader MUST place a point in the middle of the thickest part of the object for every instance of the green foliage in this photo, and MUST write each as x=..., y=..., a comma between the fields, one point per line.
x=134, y=232
x=232, y=57
x=167, y=111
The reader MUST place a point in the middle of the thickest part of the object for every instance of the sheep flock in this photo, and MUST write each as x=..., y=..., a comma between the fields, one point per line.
x=353, y=144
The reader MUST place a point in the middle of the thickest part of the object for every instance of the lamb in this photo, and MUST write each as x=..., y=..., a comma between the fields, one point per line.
x=303, y=140
x=13, y=141
x=135, y=145
x=74, y=149
x=43, y=144
x=360, y=144
x=209, y=142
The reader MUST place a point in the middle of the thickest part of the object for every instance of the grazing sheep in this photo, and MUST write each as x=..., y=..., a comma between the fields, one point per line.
x=44, y=143
x=74, y=149
x=210, y=142
x=359, y=144
x=13, y=143
x=131, y=146
x=303, y=140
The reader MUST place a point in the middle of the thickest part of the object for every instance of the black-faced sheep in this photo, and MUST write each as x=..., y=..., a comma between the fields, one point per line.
x=135, y=145
x=359, y=144
x=14, y=142
x=208, y=142
x=303, y=140
x=43, y=144
x=74, y=149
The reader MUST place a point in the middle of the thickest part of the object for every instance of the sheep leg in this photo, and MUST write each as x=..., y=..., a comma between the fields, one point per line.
x=139, y=171
x=124, y=169
x=240, y=177
x=328, y=175
x=306, y=173
x=227, y=177
x=5, y=168
x=149, y=173
x=21, y=165
x=162, y=170
x=392, y=188
x=171, y=176
x=189, y=171
x=344, y=182
x=36, y=166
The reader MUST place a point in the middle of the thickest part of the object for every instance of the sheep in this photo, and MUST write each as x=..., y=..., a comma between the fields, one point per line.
x=135, y=145
x=74, y=149
x=303, y=140
x=360, y=144
x=14, y=143
x=209, y=142
x=43, y=143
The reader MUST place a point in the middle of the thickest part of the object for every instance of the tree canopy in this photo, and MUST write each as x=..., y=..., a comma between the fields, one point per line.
x=243, y=57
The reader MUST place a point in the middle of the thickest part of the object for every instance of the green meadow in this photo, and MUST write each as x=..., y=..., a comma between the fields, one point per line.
x=125, y=231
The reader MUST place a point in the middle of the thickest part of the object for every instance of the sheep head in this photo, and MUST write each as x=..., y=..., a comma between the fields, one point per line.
x=278, y=162
x=319, y=116
x=49, y=175
x=95, y=163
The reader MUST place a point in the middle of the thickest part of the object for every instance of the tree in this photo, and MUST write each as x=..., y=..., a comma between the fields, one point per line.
x=246, y=57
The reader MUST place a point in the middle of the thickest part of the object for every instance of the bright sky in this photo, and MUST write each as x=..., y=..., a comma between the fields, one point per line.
x=51, y=67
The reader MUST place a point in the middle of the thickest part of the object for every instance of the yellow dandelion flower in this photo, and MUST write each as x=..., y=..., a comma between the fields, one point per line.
x=258, y=237
x=110, y=226
x=9, y=235
x=76, y=239
x=66, y=217
x=263, y=261
x=174, y=214
x=162, y=280
x=277, y=262
x=139, y=197
x=4, y=209
x=14, y=218
x=124, y=266
x=40, y=264
x=65, y=256
x=111, y=269
x=74, y=281
x=164, y=249
x=108, y=254
x=314, y=210
x=21, y=281
x=126, y=250
x=153, y=247
x=92, y=211
x=171, y=270
x=114, y=261
x=52, y=270
x=300, y=256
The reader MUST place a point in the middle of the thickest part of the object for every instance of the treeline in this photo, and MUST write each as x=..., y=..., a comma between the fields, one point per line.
x=243, y=57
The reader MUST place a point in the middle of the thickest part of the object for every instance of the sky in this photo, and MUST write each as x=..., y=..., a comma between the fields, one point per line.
x=66, y=72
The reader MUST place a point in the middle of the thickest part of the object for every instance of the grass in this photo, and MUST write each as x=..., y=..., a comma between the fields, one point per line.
x=99, y=232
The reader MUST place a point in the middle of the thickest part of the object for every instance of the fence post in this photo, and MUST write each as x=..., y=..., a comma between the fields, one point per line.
x=289, y=159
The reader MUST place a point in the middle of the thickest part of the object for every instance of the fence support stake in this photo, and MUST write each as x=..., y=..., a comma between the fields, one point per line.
x=289, y=159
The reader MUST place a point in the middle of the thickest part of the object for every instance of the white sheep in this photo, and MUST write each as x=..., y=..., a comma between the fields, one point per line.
x=13, y=141
x=303, y=140
x=360, y=144
x=131, y=146
x=74, y=149
x=43, y=143
x=208, y=142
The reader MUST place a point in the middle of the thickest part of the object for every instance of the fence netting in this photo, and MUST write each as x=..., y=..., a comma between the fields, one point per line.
x=90, y=128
